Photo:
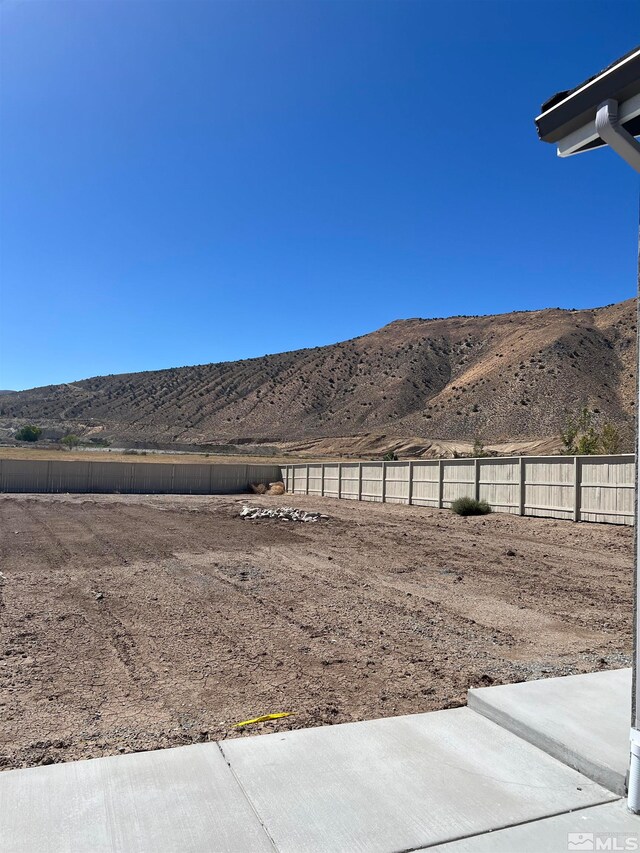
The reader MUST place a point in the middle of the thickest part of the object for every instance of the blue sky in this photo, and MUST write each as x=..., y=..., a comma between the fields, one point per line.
x=185, y=182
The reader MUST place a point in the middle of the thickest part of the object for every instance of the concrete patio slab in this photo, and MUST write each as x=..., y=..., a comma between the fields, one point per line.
x=183, y=799
x=580, y=830
x=400, y=783
x=582, y=720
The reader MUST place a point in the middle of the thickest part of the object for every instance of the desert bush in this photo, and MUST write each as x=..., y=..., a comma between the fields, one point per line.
x=470, y=506
x=276, y=489
x=478, y=450
x=610, y=439
x=29, y=432
x=70, y=441
x=258, y=488
x=580, y=437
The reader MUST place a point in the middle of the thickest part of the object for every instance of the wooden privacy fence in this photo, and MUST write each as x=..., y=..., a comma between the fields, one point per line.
x=189, y=478
x=577, y=488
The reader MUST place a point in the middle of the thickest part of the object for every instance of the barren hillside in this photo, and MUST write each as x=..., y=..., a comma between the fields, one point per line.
x=500, y=378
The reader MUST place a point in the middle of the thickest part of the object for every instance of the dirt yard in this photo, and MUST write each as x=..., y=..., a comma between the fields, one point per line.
x=134, y=622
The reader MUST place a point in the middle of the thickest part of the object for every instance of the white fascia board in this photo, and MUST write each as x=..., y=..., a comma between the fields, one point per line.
x=574, y=142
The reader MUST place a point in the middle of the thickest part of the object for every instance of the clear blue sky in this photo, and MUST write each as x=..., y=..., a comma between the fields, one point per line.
x=185, y=182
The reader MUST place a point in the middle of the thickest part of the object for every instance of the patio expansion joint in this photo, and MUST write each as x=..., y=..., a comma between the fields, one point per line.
x=505, y=826
x=247, y=798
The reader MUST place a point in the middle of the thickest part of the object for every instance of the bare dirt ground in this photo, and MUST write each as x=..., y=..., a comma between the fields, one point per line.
x=59, y=454
x=134, y=622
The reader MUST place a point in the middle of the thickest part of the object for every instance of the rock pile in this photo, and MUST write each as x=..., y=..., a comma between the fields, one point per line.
x=284, y=513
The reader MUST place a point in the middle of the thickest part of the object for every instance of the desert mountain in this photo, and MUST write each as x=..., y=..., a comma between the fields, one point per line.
x=500, y=378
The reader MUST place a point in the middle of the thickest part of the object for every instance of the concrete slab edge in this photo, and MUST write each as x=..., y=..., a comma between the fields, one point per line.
x=605, y=776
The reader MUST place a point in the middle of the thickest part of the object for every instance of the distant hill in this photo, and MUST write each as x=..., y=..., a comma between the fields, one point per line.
x=501, y=378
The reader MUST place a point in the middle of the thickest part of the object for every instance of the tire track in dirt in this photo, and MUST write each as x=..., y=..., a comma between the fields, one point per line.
x=528, y=580
x=36, y=516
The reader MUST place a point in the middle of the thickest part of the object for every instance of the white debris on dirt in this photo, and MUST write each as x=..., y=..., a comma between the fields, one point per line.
x=283, y=513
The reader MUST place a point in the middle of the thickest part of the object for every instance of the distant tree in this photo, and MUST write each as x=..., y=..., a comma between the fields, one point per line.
x=610, y=440
x=70, y=441
x=390, y=457
x=478, y=449
x=579, y=435
x=581, y=438
x=29, y=432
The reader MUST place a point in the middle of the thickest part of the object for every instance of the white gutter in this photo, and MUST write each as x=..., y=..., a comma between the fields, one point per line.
x=574, y=143
x=611, y=131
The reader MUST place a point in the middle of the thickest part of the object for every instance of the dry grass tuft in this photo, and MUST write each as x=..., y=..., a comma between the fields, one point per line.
x=271, y=489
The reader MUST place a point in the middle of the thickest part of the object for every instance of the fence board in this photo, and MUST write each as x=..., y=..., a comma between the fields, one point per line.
x=549, y=487
x=372, y=481
x=607, y=489
x=458, y=480
x=500, y=484
x=350, y=481
x=314, y=479
x=425, y=483
x=331, y=480
x=397, y=479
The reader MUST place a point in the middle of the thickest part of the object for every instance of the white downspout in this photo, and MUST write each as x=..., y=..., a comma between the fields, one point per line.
x=613, y=133
x=626, y=146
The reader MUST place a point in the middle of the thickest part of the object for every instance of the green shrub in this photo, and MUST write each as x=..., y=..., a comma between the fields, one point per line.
x=581, y=438
x=28, y=433
x=70, y=441
x=100, y=442
x=470, y=506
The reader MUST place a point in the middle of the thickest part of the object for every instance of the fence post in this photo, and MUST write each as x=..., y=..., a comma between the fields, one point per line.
x=410, y=483
x=476, y=479
x=523, y=485
x=322, y=481
x=577, y=487
x=339, y=479
x=440, y=483
x=359, y=481
x=384, y=482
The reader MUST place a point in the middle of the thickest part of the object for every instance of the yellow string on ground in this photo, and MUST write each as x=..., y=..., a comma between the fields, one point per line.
x=263, y=719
